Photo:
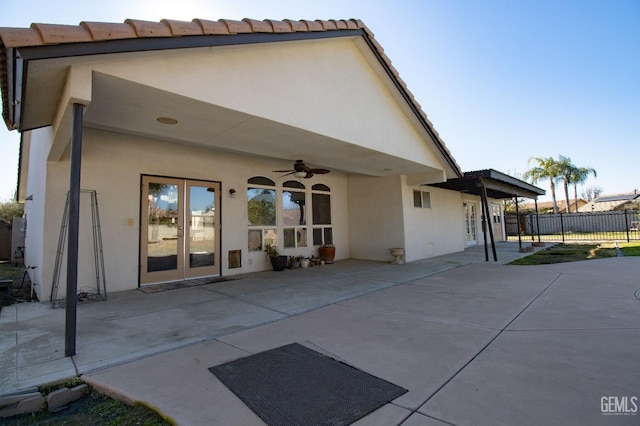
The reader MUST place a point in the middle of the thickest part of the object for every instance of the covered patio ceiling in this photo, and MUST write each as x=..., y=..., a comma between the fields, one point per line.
x=127, y=107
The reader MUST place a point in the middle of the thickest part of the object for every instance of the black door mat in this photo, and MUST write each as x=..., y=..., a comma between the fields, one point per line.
x=294, y=385
x=174, y=285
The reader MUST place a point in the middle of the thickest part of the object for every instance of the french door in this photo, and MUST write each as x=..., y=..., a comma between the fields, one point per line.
x=180, y=229
x=470, y=223
x=496, y=213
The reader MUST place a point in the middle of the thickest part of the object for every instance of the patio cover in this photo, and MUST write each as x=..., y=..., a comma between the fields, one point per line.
x=487, y=184
x=498, y=185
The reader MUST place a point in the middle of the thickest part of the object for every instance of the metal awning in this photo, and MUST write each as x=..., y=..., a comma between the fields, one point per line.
x=491, y=183
x=498, y=185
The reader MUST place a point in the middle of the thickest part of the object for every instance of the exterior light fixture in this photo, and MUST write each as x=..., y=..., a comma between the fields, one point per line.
x=300, y=174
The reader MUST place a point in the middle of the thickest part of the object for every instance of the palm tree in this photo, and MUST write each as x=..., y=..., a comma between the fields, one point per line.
x=547, y=168
x=579, y=175
x=565, y=167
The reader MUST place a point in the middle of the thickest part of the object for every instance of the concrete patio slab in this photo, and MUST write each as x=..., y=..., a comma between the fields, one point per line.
x=491, y=305
x=180, y=375
x=408, y=351
x=543, y=377
x=419, y=419
x=476, y=344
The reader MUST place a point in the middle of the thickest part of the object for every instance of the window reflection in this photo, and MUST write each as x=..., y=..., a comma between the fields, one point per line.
x=261, y=206
x=293, y=208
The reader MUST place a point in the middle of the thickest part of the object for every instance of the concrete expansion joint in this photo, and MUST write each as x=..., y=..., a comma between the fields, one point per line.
x=75, y=366
x=571, y=330
x=493, y=339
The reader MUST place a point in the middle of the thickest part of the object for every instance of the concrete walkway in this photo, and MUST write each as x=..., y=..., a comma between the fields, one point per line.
x=474, y=343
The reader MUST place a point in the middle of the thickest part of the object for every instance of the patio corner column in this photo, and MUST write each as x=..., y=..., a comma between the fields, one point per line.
x=537, y=220
x=73, y=230
x=518, y=221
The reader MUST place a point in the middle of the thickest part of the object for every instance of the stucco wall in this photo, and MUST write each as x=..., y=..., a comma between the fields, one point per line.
x=113, y=163
x=436, y=230
x=39, y=142
x=375, y=216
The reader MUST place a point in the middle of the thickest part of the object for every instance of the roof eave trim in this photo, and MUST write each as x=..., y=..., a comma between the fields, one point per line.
x=169, y=43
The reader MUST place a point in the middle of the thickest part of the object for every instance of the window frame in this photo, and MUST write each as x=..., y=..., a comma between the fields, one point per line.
x=267, y=231
x=304, y=235
x=421, y=199
x=300, y=230
x=325, y=230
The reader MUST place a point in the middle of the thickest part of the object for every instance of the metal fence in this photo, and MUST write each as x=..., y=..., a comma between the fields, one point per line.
x=603, y=226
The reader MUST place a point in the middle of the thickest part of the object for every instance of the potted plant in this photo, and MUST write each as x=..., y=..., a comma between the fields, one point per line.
x=327, y=253
x=278, y=262
x=294, y=262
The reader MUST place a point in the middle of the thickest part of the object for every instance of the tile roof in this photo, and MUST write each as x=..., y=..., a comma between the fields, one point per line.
x=87, y=32
x=43, y=34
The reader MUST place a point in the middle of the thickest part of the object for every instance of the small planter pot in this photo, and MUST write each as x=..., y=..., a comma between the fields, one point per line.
x=397, y=253
x=327, y=253
x=279, y=263
x=304, y=263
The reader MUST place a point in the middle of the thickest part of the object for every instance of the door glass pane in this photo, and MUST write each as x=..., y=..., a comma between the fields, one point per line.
x=470, y=219
x=162, y=241
x=201, y=222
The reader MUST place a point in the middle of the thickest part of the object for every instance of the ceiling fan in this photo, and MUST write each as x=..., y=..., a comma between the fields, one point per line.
x=301, y=170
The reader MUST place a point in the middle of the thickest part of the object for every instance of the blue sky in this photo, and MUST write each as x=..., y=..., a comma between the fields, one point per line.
x=501, y=80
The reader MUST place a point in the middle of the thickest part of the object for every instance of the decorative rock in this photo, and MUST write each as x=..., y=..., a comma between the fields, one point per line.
x=63, y=397
x=29, y=403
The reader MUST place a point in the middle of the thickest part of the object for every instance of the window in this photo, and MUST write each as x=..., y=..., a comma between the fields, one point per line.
x=261, y=213
x=294, y=214
x=497, y=214
x=275, y=217
x=321, y=213
x=421, y=199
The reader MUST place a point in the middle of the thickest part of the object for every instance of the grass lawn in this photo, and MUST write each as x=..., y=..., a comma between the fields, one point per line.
x=94, y=409
x=568, y=253
x=630, y=249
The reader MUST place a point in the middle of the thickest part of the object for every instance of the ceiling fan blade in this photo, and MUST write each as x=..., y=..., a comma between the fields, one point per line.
x=319, y=171
x=282, y=171
x=290, y=172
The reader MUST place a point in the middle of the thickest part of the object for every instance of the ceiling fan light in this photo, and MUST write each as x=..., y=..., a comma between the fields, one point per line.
x=300, y=174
